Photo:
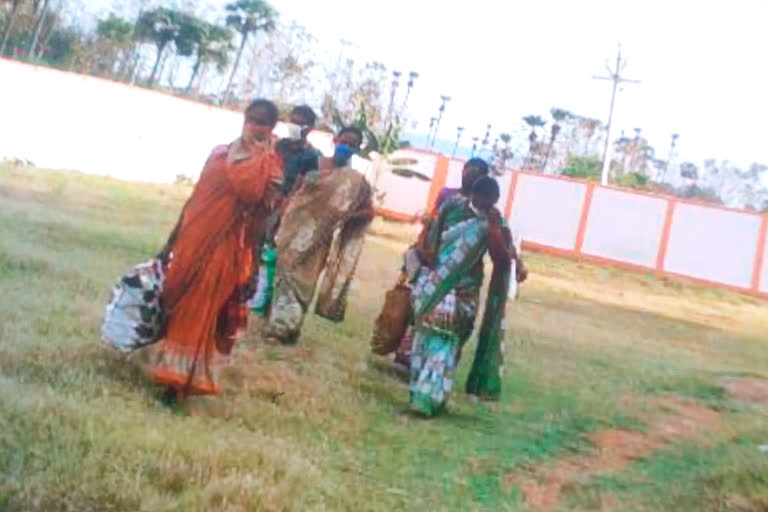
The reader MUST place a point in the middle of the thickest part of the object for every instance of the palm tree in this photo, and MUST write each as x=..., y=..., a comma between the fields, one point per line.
x=534, y=122
x=212, y=44
x=12, y=16
x=559, y=115
x=506, y=153
x=159, y=26
x=588, y=127
x=247, y=17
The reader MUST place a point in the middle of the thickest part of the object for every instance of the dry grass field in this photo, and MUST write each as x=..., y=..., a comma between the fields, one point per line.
x=621, y=392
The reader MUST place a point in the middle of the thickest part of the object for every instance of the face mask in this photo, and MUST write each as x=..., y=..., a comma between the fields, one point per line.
x=342, y=154
x=294, y=131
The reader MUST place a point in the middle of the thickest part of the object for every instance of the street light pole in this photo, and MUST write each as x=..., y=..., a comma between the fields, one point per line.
x=459, y=129
x=432, y=121
x=616, y=78
x=443, y=101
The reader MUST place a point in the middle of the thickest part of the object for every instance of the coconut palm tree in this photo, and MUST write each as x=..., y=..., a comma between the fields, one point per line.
x=588, y=127
x=533, y=122
x=159, y=26
x=559, y=115
x=506, y=152
x=248, y=17
x=212, y=44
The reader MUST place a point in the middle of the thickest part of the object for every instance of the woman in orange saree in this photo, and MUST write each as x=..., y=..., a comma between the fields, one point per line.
x=210, y=257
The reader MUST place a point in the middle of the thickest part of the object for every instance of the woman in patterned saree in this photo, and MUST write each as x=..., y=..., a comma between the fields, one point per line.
x=474, y=169
x=445, y=298
x=210, y=257
x=333, y=198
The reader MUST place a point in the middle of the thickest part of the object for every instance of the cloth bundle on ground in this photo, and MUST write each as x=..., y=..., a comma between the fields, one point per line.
x=134, y=316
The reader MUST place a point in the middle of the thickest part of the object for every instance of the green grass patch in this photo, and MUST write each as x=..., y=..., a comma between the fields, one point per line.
x=81, y=427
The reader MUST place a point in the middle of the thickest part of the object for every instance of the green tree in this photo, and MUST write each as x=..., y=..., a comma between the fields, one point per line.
x=116, y=37
x=689, y=170
x=533, y=122
x=248, y=17
x=504, y=153
x=10, y=22
x=115, y=29
x=42, y=11
x=585, y=167
x=213, y=44
x=559, y=115
x=587, y=129
x=160, y=27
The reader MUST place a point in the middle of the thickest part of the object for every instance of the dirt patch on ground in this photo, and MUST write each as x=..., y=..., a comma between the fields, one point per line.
x=614, y=449
x=748, y=389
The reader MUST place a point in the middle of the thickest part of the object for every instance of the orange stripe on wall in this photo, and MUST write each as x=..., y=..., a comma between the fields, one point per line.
x=665, y=233
x=586, y=206
x=757, y=270
x=511, y=194
x=438, y=181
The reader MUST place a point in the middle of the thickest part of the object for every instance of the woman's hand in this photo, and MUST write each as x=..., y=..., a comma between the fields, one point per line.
x=521, y=273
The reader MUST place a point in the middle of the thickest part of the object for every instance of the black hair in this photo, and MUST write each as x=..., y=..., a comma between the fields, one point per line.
x=351, y=129
x=481, y=164
x=487, y=186
x=268, y=107
x=307, y=113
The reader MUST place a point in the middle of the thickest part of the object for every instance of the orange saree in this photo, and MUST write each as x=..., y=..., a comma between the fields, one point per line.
x=211, y=262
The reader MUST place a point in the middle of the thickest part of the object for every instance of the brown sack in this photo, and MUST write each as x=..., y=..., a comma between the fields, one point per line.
x=392, y=321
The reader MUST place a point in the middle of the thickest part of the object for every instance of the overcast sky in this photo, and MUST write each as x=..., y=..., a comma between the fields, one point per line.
x=703, y=64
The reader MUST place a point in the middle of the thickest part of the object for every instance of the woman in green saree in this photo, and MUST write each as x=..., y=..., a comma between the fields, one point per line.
x=445, y=296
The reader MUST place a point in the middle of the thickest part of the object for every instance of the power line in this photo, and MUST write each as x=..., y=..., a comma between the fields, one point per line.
x=614, y=75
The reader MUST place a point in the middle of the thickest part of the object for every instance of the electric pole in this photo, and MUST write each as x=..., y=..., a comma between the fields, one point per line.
x=614, y=75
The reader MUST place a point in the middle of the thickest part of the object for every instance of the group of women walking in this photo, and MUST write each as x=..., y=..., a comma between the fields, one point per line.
x=259, y=196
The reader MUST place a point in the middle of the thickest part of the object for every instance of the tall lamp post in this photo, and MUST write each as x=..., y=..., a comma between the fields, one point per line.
x=432, y=121
x=459, y=130
x=443, y=101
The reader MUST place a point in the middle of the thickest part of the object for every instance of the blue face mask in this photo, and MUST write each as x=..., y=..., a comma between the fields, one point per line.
x=342, y=154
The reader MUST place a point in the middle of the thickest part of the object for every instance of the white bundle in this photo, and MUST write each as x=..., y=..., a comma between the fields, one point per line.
x=514, y=288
